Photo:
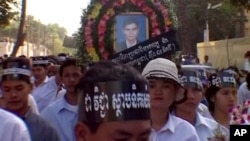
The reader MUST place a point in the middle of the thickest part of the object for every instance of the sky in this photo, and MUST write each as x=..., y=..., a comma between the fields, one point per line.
x=67, y=13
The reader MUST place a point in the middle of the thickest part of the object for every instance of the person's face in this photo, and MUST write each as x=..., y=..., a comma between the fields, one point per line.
x=53, y=70
x=225, y=99
x=39, y=72
x=115, y=131
x=15, y=94
x=131, y=32
x=194, y=97
x=162, y=93
x=70, y=77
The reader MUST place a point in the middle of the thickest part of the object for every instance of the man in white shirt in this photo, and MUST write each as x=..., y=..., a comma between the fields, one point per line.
x=62, y=114
x=205, y=127
x=165, y=92
x=44, y=88
x=12, y=128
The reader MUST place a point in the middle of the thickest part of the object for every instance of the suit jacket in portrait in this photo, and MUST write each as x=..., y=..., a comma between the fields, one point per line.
x=122, y=46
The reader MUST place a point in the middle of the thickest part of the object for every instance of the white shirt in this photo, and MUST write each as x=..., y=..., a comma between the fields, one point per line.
x=223, y=128
x=63, y=117
x=130, y=45
x=246, y=65
x=243, y=93
x=203, y=110
x=12, y=128
x=206, y=128
x=44, y=93
x=175, y=129
x=33, y=105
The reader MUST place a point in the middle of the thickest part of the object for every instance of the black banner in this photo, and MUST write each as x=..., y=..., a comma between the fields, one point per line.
x=114, y=101
x=159, y=46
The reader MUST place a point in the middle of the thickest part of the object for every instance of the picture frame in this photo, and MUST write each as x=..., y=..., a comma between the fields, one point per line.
x=130, y=29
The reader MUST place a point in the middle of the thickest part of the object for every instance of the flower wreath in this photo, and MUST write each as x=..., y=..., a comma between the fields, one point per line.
x=99, y=18
x=240, y=114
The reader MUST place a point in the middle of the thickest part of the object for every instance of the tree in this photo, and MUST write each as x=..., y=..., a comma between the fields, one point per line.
x=6, y=11
x=51, y=35
x=20, y=35
x=192, y=16
x=241, y=3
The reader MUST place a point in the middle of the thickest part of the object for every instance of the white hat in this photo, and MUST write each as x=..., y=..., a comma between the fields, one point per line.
x=164, y=68
x=161, y=68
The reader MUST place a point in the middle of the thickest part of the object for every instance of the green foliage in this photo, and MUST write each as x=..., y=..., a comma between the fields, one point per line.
x=241, y=3
x=193, y=14
x=81, y=50
x=7, y=10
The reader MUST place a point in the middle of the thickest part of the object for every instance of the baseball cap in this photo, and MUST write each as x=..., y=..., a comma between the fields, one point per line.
x=165, y=69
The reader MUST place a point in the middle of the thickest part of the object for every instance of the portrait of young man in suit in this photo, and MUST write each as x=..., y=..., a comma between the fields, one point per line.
x=130, y=29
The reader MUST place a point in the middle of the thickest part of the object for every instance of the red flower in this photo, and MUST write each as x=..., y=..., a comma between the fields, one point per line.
x=105, y=55
x=139, y=3
x=101, y=49
x=166, y=29
x=101, y=30
x=101, y=38
x=104, y=2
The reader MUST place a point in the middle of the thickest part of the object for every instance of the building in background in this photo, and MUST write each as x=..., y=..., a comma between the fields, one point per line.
x=28, y=49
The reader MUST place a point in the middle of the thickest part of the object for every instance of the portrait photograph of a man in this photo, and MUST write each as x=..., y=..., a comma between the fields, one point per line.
x=130, y=30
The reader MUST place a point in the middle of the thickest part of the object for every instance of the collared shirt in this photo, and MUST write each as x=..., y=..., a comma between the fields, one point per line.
x=175, y=129
x=130, y=45
x=33, y=105
x=243, y=94
x=40, y=130
x=223, y=128
x=203, y=110
x=206, y=128
x=44, y=93
x=12, y=128
x=63, y=116
x=60, y=92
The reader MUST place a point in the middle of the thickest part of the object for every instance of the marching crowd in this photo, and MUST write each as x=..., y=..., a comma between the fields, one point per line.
x=58, y=99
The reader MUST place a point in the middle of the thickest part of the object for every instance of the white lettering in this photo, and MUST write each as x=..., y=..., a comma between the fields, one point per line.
x=228, y=79
x=194, y=80
x=240, y=132
x=88, y=103
x=104, y=104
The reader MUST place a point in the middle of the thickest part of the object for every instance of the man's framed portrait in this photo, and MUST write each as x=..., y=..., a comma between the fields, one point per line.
x=130, y=29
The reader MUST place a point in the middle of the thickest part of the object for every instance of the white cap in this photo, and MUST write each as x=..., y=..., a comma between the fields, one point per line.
x=164, y=68
x=161, y=68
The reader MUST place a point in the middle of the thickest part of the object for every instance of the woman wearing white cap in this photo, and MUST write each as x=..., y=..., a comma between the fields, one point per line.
x=165, y=90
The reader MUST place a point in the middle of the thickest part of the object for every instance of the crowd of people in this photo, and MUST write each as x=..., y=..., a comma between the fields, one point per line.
x=57, y=99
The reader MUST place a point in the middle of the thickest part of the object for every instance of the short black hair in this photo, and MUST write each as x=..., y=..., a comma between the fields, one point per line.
x=129, y=21
x=70, y=62
x=209, y=94
x=104, y=71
